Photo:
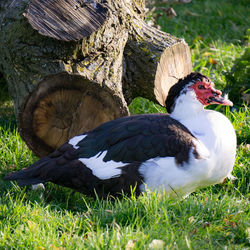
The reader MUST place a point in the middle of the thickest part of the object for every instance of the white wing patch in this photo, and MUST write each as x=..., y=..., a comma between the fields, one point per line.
x=73, y=141
x=101, y=169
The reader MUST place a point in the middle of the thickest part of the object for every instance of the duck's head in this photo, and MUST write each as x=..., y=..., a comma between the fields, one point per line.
x=196, y=89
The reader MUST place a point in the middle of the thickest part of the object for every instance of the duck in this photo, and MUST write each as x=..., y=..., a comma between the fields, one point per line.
x=178, y=152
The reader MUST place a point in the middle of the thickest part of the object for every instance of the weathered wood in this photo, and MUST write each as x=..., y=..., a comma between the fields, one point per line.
x=62, y=106
x=61, y=88
x=66, y=20
x=154, y=61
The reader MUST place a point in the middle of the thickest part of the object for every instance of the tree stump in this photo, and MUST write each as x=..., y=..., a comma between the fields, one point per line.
x=72, y=65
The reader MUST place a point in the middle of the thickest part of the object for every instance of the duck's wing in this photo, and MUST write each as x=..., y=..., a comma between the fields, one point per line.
x=137, y=138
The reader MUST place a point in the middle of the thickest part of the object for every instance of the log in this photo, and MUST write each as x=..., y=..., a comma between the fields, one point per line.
x=66, y=78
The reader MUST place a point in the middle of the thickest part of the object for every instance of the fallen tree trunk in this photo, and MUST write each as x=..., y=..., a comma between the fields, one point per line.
x=64, y=83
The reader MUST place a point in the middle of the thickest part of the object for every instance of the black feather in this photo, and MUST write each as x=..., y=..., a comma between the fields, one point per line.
x=138, y=138
x=177, y=88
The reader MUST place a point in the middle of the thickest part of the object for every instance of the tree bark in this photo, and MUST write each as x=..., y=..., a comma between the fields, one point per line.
x=65, y=86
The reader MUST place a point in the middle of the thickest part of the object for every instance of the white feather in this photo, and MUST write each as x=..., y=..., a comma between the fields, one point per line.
x=101, y=169
x=73, y=141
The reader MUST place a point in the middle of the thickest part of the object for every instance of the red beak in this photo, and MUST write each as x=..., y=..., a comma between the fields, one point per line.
x=216, y=98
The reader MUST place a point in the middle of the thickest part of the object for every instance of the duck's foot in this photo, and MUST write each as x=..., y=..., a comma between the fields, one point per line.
x=38, y=186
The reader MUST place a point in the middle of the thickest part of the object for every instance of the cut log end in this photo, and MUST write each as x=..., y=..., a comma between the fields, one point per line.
x=175, y=63
x=66, y=20
x=63, y=106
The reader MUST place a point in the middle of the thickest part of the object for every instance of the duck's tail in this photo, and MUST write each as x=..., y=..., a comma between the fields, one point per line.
x=40, y=172
x=58, y=167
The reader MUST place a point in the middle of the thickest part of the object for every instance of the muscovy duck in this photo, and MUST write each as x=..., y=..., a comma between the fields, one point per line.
x=188, y=149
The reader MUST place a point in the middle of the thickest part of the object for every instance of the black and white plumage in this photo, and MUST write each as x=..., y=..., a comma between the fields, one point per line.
x=188, y=149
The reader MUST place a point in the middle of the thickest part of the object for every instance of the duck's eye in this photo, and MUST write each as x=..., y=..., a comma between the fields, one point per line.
x=201, y=87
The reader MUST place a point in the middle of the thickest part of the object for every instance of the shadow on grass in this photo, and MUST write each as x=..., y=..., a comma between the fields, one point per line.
x=66, y=200
x=7, y=116
x=8, y=121
x=239, y=79
x=56, y=197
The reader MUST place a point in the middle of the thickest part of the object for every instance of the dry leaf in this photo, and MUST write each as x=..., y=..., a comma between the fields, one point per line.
x=191, y=219
x=12, y=167
x=53, y=247
x=40, y=248
x=187, y=242
x=212, y=61
x=130, y=245
x=32, y=225
x=207, y=53
x=246, y=97
x=156, y=244
x=38, y=186
x=206, y=224
x=192, y=13
x=198, y=38
x=109, y=211
x=220, y=13
x=170, y=12
x=36, y=212
x=248, y=232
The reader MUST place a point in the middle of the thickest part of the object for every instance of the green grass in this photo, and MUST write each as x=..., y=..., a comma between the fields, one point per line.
x=216, y=217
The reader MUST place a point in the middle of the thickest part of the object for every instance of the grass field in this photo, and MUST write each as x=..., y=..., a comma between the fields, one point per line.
x=216, y=217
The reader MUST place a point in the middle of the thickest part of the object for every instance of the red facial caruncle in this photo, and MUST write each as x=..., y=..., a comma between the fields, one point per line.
x=207, y=94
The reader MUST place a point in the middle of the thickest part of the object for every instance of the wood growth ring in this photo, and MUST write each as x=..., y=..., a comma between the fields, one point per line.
x=61, y=107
